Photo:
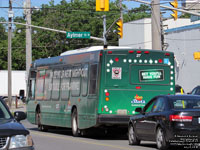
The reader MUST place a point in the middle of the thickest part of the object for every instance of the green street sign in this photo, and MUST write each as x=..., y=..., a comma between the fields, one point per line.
x=78, y=35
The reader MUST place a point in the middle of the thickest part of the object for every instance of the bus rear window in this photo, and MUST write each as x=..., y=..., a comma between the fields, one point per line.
x=150, y=74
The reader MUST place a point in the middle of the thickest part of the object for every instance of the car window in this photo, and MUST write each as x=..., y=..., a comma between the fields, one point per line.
x=185, y=103
x=4, y=114
x=149, y=106
x=159, y=105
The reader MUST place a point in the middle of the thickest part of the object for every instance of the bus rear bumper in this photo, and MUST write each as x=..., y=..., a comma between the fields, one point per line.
x=113, y=119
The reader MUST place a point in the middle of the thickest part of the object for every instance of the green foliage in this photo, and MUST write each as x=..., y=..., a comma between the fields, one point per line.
x=76, y=16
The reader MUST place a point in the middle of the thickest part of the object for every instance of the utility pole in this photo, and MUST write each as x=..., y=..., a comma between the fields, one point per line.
x=28, y=37
x=10, y=16
x=155, y=25
x=104, y=32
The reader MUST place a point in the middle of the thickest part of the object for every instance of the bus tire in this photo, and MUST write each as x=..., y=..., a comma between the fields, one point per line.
x=75, y=130
x=38, y=122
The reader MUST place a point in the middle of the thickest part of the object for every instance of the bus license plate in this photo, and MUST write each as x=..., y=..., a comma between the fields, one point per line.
x=122, y=111
x=199, y=120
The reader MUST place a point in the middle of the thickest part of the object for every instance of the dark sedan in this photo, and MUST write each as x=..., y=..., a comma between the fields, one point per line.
x=13, y=135
x=170, y=120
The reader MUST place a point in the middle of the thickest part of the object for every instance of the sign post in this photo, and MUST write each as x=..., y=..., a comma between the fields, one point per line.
x=78, y=35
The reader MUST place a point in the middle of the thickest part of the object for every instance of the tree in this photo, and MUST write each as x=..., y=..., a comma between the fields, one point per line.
x=78, y=15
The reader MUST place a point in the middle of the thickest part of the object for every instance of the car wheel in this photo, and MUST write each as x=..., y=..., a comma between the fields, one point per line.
x=160, y=140
x=38, y=122
x=75, y=130
x=133, y=140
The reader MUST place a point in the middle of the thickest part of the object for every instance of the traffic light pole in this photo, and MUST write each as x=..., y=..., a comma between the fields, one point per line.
x=10, y=15
x=155, y=25
x=104, y=32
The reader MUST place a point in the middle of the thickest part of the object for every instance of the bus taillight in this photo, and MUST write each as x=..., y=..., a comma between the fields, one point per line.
x=167, y=54
x=131, y=52
x=138, y=87
x=160, y=60
x=107, y=93
x=146, y=52
x=116, y=59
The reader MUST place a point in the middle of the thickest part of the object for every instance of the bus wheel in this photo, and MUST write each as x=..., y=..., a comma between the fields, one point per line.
x=38, y=122
x=75, y=130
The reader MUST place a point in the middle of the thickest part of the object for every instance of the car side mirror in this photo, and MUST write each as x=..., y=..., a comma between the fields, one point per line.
x=138, y=110
x=20, y=115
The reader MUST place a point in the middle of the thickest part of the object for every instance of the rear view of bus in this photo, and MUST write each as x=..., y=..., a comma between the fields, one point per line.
x=129, y=79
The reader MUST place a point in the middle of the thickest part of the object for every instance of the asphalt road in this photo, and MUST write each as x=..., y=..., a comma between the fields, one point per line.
x=62, y=139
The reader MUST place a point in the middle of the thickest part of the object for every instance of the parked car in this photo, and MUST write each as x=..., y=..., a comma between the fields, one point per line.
x=165, y=119
x=13, y=134
x=195, y=91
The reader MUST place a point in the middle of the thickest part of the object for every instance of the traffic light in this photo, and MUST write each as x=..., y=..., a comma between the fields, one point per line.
x=102, y=5
x=196, y=55
x=175, y=5
x=120, y=28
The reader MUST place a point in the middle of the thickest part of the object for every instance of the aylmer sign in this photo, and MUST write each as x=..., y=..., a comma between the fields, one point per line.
x=77, y=35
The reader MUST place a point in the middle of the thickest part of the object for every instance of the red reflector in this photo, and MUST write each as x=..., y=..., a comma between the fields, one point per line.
x=139, y=52
x=146, y=52
x=100, y=54
x=109, y=52
x=160, y=60
x=60, y=59
x=180, y=118
x=116, y=59
x=167, y=54
x=131, y=52
x=138, y=87
x=102, y=109
x=107, y=93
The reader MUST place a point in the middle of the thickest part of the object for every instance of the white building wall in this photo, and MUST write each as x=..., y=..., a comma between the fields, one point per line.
x=184, y=43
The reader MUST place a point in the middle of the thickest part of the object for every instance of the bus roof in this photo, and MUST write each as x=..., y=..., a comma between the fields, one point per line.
x=90, y=49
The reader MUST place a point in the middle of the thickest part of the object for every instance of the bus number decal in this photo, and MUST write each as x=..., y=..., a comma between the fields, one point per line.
x=116, y=73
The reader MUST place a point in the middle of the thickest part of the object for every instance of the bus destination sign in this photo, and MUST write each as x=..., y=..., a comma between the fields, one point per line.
x=151, y=75
x=78, y=35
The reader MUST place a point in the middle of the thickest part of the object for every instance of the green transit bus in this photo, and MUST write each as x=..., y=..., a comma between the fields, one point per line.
x=96, y=87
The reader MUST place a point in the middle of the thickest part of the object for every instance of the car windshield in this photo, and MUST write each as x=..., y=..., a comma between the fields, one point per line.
x=4, y=114
x=185, y=103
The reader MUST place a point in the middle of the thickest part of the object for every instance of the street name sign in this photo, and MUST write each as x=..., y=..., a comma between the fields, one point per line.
x=78, y=35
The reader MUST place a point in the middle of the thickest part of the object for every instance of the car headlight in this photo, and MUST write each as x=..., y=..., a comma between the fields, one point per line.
x=18, y=141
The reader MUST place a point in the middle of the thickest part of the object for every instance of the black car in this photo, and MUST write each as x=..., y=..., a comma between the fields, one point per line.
x=13, y=135
x=195, y=91
x=170, y=120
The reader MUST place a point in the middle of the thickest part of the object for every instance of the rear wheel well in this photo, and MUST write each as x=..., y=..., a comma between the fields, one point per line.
x=73, y=108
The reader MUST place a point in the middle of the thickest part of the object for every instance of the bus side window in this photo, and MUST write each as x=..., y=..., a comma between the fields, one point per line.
x=76, y=81
x=93, y=79
x=65, y=84
x=40, y=84
x=48, y=84
x=32, y=85
x=84, y=85
x=56, y=85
